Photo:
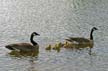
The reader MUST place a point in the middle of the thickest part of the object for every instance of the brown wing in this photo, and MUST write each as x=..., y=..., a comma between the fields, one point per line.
x=80, y=42
x=78, y=39
x=21, y=46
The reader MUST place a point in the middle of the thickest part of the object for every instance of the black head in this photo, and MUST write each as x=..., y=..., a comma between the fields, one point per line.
x=34, y=33
x=94, y=28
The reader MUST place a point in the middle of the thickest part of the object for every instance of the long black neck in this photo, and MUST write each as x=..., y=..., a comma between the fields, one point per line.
x=91, y=34
x=32, y=41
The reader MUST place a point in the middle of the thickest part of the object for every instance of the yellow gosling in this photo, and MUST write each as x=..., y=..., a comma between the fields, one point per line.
x=68, y=45
x=48, y=48
x=58, y=46
x=55, y=47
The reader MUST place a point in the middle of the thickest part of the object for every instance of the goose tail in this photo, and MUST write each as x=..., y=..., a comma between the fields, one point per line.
x=9, y=47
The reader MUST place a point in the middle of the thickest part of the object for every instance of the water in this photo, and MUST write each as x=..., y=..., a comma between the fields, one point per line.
x=54, y=20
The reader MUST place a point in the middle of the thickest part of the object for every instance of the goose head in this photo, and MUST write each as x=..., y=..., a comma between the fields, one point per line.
x=35, y=34
x=94, y=28
x=31, y=38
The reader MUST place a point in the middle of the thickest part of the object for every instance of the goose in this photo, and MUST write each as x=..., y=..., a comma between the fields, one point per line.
x=58, y=46
x=81, y=41
x=48, y=47
x=25, y=47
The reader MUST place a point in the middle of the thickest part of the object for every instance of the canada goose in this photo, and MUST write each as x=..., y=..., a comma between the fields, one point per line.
x=25, y=47
x=83, y=42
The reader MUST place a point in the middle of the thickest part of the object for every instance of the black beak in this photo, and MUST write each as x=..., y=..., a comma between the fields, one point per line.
x=37, y=34
x=96, y=29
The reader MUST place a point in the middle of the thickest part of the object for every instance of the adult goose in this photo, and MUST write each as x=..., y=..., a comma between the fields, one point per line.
x=25, y=47
x=81, y=41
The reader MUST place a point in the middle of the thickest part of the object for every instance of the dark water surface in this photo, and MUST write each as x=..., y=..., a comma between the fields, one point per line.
x=54, y=20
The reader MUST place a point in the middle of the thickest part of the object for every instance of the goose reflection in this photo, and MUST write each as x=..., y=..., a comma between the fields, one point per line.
x=76, y=45
x=24, y=54
x=32, y=66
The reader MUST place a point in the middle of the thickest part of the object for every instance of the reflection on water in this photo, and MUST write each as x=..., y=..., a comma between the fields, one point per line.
x=77, y=45
x=32, y=67
x=25, y=54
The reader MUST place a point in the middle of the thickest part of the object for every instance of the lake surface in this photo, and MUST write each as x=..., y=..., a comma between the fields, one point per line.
x=54, y=20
